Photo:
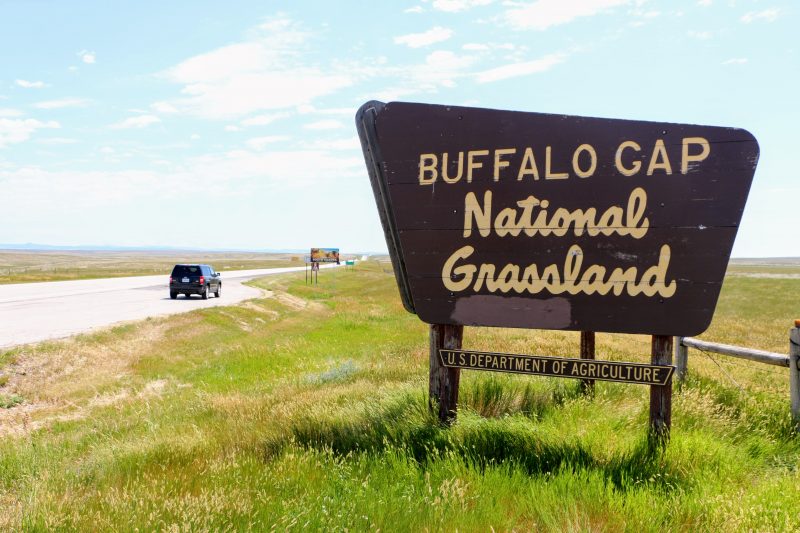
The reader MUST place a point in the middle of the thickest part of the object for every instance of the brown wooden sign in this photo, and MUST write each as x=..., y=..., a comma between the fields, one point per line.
x=503, y=218
x=558, y=367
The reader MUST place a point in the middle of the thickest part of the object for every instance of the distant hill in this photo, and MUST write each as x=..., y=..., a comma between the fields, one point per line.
x=36, y=247
x=793, y=261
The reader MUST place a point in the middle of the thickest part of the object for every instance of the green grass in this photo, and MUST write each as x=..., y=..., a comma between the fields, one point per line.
x=279, y=415
x=9, y=401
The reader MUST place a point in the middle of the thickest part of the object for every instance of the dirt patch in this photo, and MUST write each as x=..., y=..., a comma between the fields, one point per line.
x=153, y=388
x=297, y=303
x=289, y=300
x=253, y=306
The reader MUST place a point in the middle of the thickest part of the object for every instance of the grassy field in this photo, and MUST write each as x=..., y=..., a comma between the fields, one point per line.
x=306, y=410
x=32, y=266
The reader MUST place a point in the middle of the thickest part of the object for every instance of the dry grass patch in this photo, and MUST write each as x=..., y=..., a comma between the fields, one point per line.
x=66, y=380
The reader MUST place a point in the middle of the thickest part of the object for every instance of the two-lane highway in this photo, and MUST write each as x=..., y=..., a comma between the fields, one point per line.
x=32, y=312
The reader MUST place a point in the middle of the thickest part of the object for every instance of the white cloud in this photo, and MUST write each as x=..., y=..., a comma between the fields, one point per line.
x=31, y=84
x=35, y=190
x=194, y=136
x=434, y=35
x=87, y=57
x=265, y=73
x=768, y=15
x=454, y=6
x=513, y=70
x=735, y=61
x=351, y=143
x=8, y=113
x=483, y=47
x=57, y=141
x=704, y=3
x=163, y=107
x=263, y=120
x=328, y=124
x=35, y=197
x=543, y=14
x=61, y=103
x=260, y=143
x=415, y=9
x=139, y=122
x=231, y=127
x=441, y=69
x=306, y=109
x=275, y=168
x=20, y=130
x=222, y=63
x=351, y=111
x=701, y=35
x=646, y=14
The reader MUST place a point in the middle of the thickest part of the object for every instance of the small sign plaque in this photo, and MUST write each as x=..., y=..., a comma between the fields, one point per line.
x=558, y=367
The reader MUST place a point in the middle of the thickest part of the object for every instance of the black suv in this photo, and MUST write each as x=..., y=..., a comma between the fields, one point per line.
x=194, y=279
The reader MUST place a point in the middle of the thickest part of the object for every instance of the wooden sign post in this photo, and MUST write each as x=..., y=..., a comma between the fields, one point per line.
x=315, y=273
x=529, y=220
x=661, y=395
x=443, y=386
x=587, y=352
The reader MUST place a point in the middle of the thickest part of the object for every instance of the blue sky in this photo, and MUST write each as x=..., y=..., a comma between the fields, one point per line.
x=230, y=125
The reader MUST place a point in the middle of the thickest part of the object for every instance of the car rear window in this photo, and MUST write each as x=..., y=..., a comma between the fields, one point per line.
x=185, y=270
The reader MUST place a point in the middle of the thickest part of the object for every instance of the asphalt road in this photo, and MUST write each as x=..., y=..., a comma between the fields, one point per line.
x=33, y=312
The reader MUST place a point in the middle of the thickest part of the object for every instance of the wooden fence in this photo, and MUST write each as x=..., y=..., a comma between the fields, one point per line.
x=791, y=361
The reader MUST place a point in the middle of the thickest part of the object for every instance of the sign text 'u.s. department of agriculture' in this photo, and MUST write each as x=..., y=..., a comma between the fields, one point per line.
x=558, y=367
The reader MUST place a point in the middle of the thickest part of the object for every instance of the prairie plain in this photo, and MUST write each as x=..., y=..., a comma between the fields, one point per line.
x=306, y=409
x=20, y=266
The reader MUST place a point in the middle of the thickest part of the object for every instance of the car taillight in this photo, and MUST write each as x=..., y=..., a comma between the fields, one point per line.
x=171, y=280
x=202, y=280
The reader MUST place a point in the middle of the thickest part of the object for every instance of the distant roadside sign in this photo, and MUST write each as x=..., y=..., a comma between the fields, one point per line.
x=324, y=255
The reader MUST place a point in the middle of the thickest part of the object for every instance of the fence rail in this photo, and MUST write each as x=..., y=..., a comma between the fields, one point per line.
x=791, y=361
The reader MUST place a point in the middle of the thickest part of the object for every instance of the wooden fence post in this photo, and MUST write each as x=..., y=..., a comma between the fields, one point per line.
x=587, y=352
x=681, y=360
x=794, y=372
x=443, y=382
x=661, y=396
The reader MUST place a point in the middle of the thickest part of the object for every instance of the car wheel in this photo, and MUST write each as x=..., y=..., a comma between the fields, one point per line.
x=173, y=294
x=204, y=294
x=219, y=291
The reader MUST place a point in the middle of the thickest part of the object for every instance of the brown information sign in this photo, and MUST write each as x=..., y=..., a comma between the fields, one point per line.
x=529, y=220
x=558, y=367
